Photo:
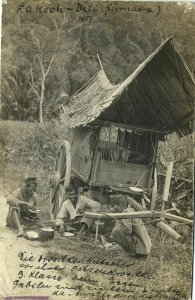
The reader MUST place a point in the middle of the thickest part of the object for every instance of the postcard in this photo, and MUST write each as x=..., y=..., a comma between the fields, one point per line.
x=96, y=150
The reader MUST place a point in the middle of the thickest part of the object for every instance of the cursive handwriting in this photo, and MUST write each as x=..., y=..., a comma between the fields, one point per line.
x=86, y=277
x=88, y=12
x=89, y=260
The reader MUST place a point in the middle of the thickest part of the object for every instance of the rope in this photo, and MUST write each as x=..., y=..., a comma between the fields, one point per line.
x=142, y=176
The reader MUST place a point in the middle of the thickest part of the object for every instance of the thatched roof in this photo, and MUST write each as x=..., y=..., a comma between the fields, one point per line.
x=158, y=95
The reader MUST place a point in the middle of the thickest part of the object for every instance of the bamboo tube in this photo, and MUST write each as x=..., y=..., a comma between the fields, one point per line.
x=178, y=218
x=134, y=204
x=126, y=215
x=143, y=203
x=169, y=230
x=167, y=182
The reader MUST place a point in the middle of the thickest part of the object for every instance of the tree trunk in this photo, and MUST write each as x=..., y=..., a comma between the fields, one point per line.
x=41, y=111
x=41, y=100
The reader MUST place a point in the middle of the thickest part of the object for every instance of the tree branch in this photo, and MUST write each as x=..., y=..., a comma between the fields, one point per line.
x=51, y=61
x=72, y=28
x=32, y=83
x=59, y=28
x=57, y=43
x=40, y=58
x=36, y=41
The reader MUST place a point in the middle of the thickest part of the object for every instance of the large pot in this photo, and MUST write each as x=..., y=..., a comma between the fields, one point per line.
x=46, y=234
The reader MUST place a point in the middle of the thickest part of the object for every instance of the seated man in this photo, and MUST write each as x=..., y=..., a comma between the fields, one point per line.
x=131, y=234
x=70, y=216
x=22, y=203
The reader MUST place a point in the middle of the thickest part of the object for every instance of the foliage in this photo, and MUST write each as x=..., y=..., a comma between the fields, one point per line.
x=29, y=149
x=179, y=151
x=121, y=40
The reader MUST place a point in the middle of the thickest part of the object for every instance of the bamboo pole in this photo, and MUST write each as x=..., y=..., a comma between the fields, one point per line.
x=167, y=182
x=168, y=216
x=126, y=215
x=143, y=202
x=162, y=246
x=178, y=218
x=164, y=199
x=154, y=191
x=95, y=166
x=177, y=178
x=140, y=213
x=96, y=231
x=132, y=215
x=166, y=228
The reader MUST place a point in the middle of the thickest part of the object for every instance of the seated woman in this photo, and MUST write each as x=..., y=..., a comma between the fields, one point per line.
x=22, y=206
x=70, y=216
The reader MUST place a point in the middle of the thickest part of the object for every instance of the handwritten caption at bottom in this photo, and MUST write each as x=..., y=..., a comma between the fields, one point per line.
x=75, y=277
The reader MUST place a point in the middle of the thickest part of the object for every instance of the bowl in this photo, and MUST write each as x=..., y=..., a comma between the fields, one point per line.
x=135, y=189
x=32, y=211
x=68, y=234
x=32, y=235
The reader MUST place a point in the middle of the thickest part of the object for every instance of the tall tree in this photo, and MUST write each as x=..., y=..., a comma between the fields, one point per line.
x=45, y=67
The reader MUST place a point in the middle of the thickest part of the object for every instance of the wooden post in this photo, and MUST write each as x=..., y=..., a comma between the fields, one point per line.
x=95, y=165
x=164, y=199
x=96, y=231
x=154, y=191
x=143, y=202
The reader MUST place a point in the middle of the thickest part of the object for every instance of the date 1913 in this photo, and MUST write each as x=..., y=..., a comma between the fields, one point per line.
x=85, y=18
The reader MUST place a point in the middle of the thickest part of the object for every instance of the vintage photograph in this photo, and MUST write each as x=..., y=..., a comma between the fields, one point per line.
x=96, y=150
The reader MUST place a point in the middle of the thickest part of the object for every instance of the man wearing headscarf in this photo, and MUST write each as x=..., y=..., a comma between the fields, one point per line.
x=22, y=206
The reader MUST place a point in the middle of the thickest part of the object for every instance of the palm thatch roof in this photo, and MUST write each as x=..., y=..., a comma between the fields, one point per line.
x=158, y=95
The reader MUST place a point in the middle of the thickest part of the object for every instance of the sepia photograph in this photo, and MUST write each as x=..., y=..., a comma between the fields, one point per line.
x=96, y=150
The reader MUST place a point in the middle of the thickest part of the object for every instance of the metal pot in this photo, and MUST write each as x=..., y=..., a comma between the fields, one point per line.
x=46, y=234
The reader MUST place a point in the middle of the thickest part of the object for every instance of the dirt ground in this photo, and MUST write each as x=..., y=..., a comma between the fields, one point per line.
x=70, y=268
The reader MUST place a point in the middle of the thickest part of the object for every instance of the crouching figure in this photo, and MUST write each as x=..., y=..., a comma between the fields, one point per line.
x=132, y=234
x=22, y=206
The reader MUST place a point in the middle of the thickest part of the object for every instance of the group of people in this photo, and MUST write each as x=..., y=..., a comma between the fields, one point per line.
x=131, y=234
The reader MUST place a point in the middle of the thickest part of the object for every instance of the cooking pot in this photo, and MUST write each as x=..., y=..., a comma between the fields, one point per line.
x=46, y=234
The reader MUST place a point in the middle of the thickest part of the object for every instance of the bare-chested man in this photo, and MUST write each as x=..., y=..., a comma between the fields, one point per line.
x=22, y=206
